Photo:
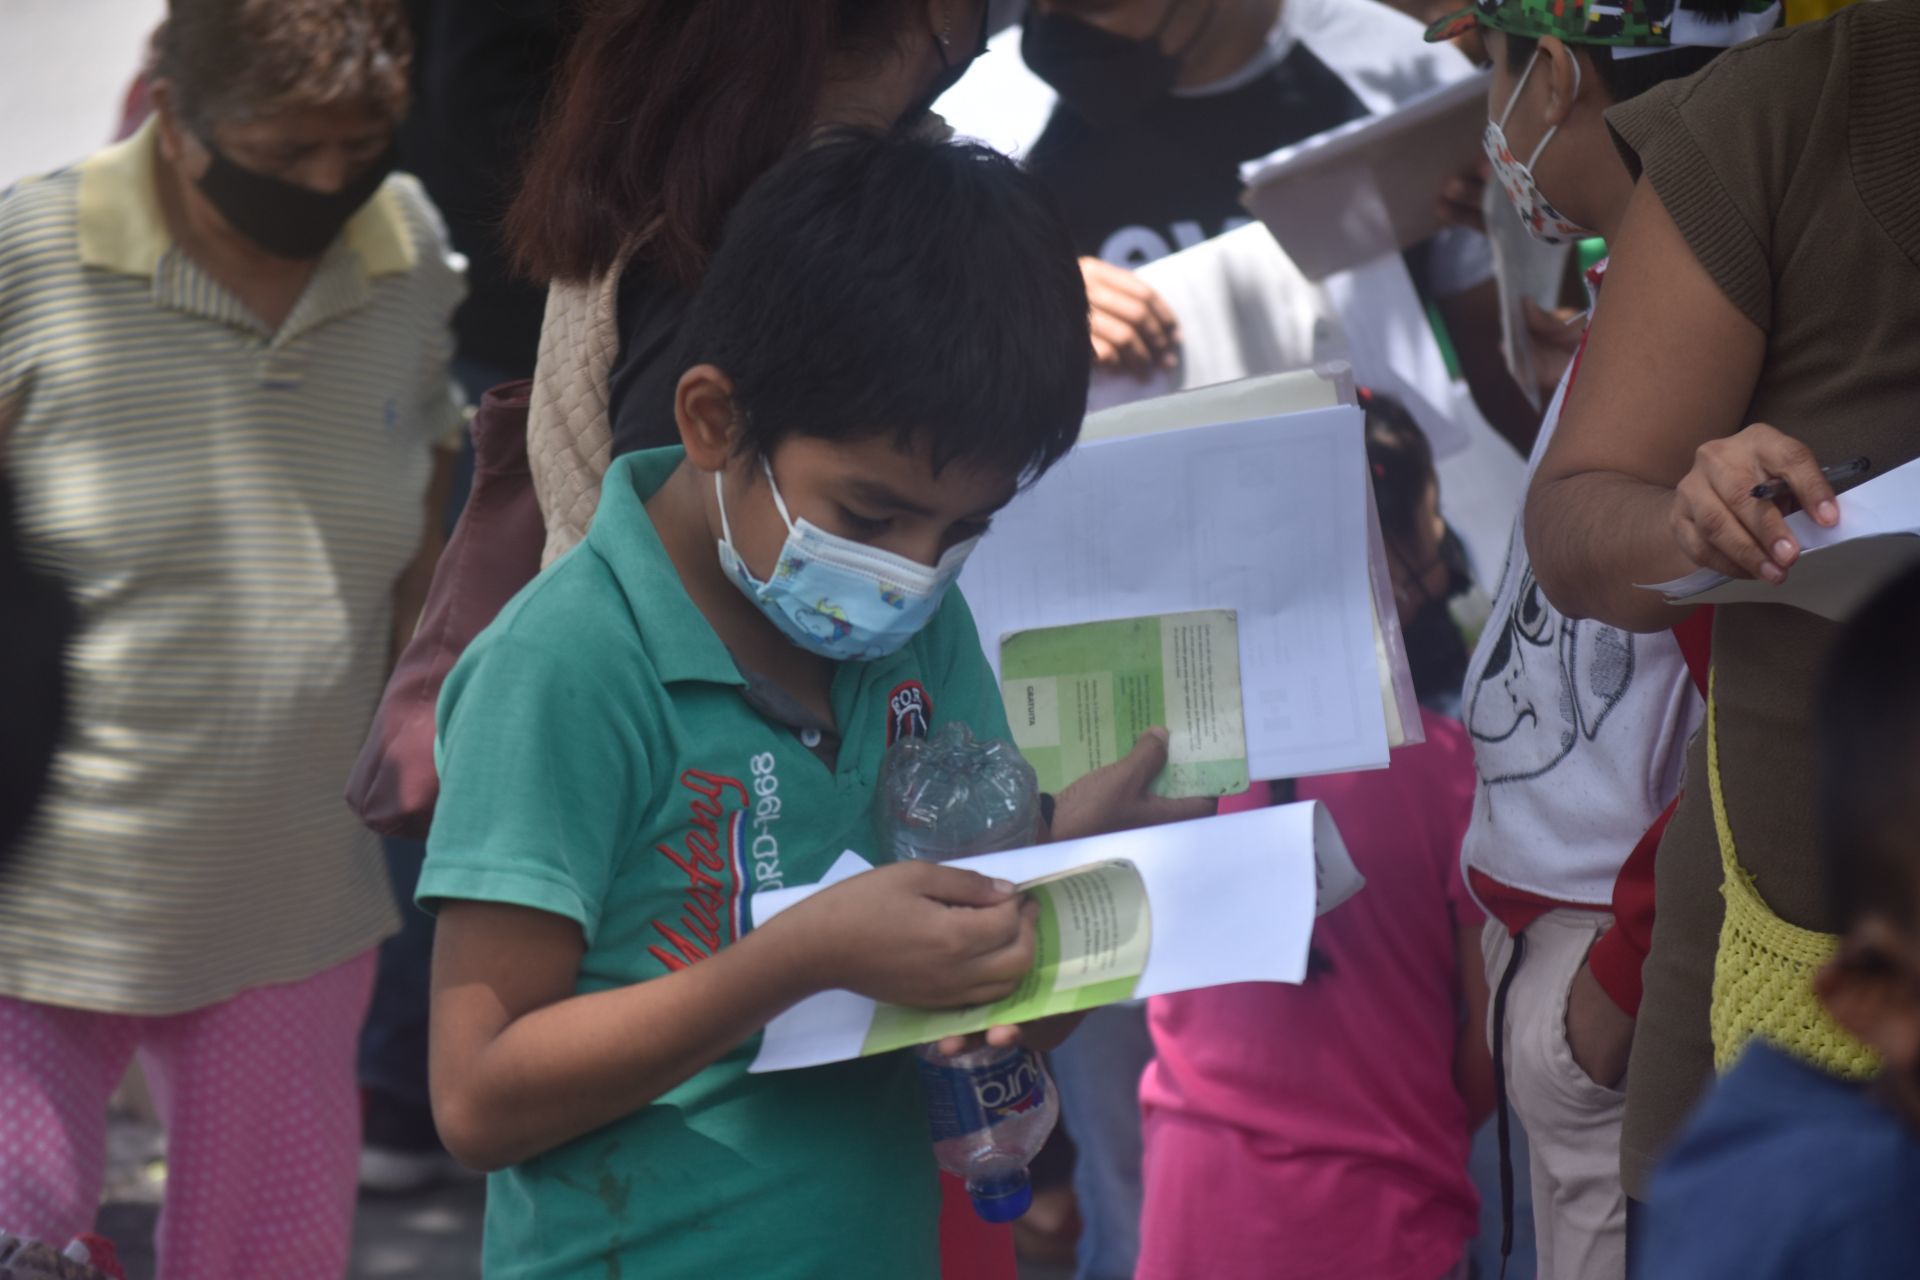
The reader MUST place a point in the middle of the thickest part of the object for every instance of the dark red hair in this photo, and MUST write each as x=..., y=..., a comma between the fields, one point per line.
x=665, y=113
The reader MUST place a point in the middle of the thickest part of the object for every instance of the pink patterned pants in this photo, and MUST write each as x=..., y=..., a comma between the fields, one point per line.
x=262, y=1114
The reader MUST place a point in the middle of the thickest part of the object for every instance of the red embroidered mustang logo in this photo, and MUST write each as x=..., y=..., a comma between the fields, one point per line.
x=707, y=917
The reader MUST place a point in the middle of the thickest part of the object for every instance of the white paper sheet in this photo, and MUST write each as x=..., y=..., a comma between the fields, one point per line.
x=1244, y=310
x=1390, y=343
x=1233, y=899
x=1877, y=538
x=1368, y=188
x=1526, y=267
x=1273, y=395
x=1265, y=517
x=1248, y=398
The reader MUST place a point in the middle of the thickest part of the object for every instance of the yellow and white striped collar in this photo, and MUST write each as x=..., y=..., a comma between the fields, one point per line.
x=122, y=227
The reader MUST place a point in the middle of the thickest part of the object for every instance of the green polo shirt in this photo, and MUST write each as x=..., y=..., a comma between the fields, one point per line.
x=598, y=760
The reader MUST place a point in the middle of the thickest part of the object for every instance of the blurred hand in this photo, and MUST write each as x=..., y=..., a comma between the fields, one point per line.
x=1599, y=1032
x=1461, y=196
x=1043, y=1036
x=1133, y=327
x=1718, y=522
x=917, y=934
x=1116, y=798
x=1555, y=336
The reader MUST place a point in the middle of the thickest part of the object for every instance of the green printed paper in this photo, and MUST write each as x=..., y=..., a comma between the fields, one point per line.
x=1091, y=940
x=1079, y=697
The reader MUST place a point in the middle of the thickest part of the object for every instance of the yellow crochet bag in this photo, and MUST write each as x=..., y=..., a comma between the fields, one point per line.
x=1763, y=974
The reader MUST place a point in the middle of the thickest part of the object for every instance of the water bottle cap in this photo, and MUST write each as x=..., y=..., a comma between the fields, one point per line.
x=1003, y=1198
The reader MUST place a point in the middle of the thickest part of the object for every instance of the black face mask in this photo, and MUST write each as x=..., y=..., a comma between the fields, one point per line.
x=285, y=218
x=950, y=70
x=1105, y=79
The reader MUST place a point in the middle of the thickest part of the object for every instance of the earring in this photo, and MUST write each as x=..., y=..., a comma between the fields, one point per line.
x=946, y=27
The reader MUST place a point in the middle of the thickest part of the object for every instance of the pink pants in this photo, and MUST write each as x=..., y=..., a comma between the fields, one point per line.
x=262, y=1114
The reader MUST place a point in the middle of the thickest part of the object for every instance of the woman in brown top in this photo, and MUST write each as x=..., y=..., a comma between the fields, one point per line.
x=1767, y=273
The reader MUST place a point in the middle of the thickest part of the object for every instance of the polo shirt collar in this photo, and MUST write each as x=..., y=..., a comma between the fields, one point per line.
x=122, y=227
x=678, y=638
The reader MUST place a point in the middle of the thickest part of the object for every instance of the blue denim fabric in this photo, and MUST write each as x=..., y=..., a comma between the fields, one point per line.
x=1098, y=1071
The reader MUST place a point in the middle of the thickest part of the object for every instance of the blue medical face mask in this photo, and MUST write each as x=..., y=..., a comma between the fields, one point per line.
x=839, y=598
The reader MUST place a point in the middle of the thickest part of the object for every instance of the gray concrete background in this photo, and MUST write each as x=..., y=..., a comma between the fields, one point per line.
x=64, y=69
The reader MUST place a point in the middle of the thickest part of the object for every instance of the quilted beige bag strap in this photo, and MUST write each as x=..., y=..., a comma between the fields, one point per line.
x=569, y=437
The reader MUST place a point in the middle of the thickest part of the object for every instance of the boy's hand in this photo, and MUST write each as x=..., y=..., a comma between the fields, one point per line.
x=1115, y=798
x=917, y=934
x=1042, y=1036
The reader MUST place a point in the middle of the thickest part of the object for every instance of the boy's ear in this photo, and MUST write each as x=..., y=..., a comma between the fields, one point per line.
x=704, y=412
x=1871, y=989
x=1565, y=82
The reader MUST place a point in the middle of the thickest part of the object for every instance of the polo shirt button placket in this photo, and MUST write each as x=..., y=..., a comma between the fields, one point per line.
x=810, y=738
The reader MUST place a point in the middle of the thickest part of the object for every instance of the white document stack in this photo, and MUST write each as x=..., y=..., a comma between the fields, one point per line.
x=1269, y=517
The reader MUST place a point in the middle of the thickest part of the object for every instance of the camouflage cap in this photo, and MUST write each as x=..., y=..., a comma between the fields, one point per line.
x=1640, y=24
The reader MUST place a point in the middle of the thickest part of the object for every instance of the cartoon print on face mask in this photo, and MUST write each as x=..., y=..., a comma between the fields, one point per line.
x=1516, y=735
x=827, y=621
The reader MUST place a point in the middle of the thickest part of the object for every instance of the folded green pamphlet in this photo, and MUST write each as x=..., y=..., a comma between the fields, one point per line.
x=1091, y=936
x=1078, y=698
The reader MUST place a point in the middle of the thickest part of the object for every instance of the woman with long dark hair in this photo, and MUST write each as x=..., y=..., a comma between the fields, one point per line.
x=665, y=114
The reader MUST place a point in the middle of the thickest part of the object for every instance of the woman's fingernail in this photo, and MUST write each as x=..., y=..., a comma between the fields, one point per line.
x=1003, y=886
x=1828, y=513
x=1783, y=551
x=1773, y=572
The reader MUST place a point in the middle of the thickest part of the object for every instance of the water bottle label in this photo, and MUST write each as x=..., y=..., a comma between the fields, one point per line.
x=962, y=1100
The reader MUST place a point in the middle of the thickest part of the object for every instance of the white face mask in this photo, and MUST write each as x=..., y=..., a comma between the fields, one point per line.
x=1543, y=220
x=836, y=597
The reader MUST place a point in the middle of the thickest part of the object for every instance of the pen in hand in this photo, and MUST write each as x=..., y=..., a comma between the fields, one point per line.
x=1778, y=488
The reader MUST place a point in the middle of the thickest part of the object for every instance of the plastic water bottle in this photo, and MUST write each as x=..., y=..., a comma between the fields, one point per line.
x=949, y=796
x=991, y=1111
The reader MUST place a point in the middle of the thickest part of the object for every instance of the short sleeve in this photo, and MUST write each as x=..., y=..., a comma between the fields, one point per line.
x=543, y=778
x=1721, y=149
x=968, y=691
x=440, y=278
x=14, y=331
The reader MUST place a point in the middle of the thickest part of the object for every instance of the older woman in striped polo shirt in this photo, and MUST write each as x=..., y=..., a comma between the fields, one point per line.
x=224, y=357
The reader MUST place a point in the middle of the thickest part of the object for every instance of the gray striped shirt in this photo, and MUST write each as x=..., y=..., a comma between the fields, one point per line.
x=231, y=508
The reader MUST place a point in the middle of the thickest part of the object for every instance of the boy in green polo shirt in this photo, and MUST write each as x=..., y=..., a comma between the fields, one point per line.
x=693, y=705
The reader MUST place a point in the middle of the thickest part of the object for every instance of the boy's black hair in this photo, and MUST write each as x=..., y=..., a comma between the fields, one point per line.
x=1867, y=726
x=1627, y=78
x=1401, y=461
x=873, y=284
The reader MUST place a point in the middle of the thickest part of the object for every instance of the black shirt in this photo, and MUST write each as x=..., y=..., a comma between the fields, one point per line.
x=647, y=313
x=481, y=70
x=1171, y=178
